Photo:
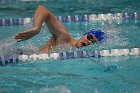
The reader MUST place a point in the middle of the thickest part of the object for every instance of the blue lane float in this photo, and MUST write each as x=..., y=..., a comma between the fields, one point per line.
x=12, y=22
x=76, y=18
x=14, y=59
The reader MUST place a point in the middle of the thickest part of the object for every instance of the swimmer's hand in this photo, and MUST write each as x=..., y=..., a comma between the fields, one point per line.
x=26, y=35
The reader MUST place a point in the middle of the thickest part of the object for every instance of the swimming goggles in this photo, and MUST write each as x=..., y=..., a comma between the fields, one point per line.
x=91, y=38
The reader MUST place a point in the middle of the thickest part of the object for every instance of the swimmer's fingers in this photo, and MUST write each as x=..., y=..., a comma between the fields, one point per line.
x=22, y=33
x=28, y=33
x=22, y=37
x=25, y=35
x=19, y=40
x=19, y=36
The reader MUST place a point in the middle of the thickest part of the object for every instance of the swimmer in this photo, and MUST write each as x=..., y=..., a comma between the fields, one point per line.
x=59, y=33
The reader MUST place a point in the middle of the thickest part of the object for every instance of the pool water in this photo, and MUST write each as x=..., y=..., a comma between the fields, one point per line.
x=82, y=75
x=87, y=75
x=20, y=8
x=79, y=75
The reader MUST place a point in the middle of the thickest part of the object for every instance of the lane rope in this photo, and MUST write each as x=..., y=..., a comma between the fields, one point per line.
x=76, y=18
x=14, y=59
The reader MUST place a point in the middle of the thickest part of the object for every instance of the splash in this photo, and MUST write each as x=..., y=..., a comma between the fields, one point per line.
x=6, y=45
x=57, y=89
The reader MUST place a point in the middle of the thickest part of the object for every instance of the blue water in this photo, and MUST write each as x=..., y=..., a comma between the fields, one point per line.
x=18, y=8
x=74, y=75
x=82, y=75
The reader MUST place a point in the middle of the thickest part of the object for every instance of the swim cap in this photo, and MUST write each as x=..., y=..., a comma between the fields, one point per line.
x=97, y=33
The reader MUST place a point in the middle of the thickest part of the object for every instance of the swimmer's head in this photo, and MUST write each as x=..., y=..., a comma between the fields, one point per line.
x=97, y=33
x=92, y=36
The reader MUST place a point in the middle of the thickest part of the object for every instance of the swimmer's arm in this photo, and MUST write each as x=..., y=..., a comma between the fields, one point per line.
x=38, y=19
x=41, y=15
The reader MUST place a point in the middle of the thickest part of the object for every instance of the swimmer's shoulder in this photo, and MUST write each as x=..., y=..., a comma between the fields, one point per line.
x=65, y=36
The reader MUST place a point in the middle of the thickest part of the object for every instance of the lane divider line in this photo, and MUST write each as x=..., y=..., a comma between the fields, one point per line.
x=5, y=60
x=76, y=18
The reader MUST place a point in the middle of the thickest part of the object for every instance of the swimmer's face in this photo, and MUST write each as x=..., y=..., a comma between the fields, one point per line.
x=86, y=40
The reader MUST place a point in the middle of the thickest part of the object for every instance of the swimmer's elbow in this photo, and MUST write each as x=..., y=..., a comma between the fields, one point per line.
x=40, y=6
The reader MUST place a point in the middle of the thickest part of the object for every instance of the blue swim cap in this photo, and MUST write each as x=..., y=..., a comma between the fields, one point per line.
x=97, y=33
